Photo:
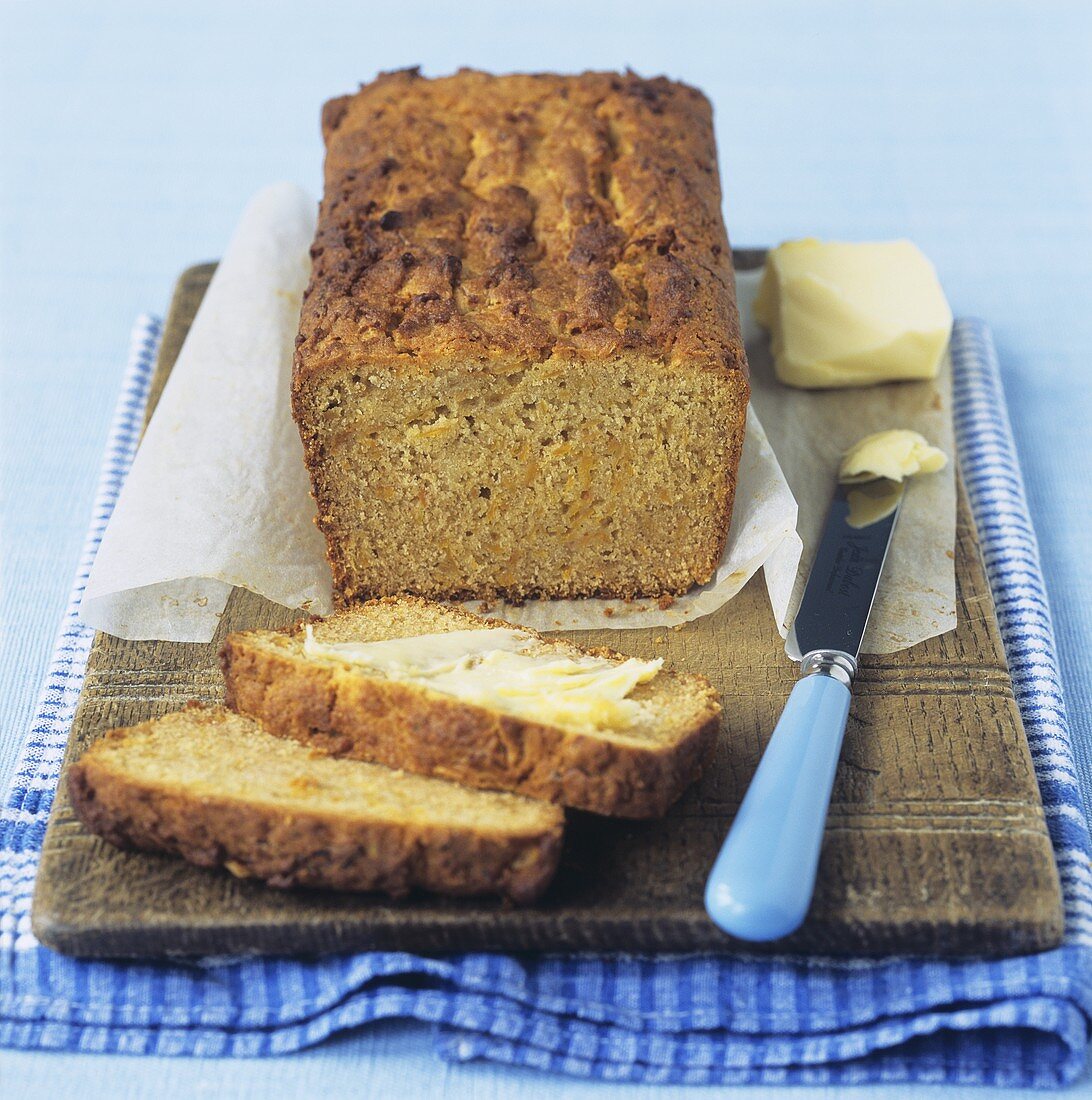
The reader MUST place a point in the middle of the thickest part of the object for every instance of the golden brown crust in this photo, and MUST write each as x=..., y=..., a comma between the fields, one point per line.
x=344, y=712
x=307, y=849
x=480, y=218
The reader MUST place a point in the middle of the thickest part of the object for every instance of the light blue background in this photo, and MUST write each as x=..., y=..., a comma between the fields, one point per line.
x=131, y=135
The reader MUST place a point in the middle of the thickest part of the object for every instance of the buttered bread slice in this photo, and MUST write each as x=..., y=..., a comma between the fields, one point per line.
x=213, y=787
x=413, y=684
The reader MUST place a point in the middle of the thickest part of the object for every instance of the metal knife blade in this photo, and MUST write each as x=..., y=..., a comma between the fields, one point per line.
x=846, y=571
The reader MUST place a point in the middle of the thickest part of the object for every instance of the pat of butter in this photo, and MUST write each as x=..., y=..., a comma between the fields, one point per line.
x=852, y=314
x=507, y=670
x=894, y=454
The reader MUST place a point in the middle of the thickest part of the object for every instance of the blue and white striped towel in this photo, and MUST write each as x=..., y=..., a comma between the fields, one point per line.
x=726, y=1019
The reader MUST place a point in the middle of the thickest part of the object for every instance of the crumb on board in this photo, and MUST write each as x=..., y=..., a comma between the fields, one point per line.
x=659, y=639
x=609, y=612
x=664, y=602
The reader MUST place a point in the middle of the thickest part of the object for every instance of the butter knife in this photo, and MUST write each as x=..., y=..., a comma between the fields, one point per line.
x=761, y=885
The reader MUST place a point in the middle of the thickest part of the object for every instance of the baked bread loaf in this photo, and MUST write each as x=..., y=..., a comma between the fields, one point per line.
x=519, y=369
x=348, y=709
x=214, y=788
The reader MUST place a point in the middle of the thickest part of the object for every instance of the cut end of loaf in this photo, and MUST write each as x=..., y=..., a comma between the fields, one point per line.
x=611, y=480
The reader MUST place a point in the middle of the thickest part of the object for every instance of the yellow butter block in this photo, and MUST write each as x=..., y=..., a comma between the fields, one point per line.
x=852, y=314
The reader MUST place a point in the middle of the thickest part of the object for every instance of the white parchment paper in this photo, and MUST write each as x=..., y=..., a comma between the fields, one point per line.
x=218, y=495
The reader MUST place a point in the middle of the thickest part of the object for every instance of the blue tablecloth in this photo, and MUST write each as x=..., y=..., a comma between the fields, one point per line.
x=138, y=132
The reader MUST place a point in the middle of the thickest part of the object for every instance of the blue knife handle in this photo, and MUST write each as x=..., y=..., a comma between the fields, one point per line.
x=762, y=882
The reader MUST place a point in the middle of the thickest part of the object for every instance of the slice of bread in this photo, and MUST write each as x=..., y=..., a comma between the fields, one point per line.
x=213, y=787
x=352, y=710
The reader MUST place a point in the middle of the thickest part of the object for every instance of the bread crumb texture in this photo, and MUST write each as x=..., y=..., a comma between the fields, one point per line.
x=519, y=370
x=215, y=788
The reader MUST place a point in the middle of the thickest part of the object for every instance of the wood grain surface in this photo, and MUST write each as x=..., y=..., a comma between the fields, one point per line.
x=936, y=841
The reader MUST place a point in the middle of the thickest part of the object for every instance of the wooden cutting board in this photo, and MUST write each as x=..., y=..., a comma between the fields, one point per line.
x=936, y=841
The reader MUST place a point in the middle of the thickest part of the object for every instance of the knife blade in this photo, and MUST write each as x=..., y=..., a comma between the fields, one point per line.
x=845, y=574
x=762, y=882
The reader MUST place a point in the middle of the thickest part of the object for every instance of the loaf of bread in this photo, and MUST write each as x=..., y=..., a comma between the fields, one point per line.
x=329, y=701
x=213, y=787
x=519, y=369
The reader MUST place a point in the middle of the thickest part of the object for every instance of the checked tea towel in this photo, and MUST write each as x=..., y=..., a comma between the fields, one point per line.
x=725, y=1019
